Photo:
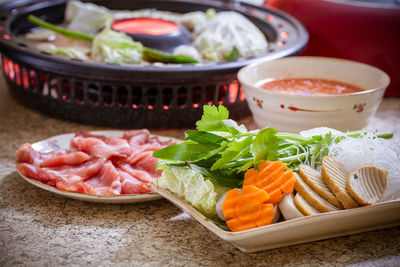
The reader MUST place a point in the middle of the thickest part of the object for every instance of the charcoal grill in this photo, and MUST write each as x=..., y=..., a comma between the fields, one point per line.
x=132, y=96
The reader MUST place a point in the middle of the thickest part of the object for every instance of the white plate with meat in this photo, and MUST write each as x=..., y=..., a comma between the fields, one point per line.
x=100, y=166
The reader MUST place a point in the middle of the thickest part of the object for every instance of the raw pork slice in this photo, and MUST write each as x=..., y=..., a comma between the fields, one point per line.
x=58, y=157
x=130, y=185
x=106, y=182
x=71, y=158
x=140, y=175
x=97, y=148
x=72, y=183
x=67, y=177
x=144, y=161
x=86, y=134
x=51, y=175
x=34, y=172
x=75, y=183
x=27, y=154
x=137, y=138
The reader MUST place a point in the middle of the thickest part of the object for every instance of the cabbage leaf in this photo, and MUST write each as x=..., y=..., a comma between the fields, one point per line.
x=86, y=17
x=228, y=32
x=116, y=47
x=190, y=185
x=70, y=52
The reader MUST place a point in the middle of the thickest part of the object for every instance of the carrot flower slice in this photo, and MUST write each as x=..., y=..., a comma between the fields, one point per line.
x=248, y=209
x=272, y=177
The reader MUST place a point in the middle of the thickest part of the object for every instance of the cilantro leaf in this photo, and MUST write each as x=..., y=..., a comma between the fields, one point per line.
x=265, y=145
x=212, y=118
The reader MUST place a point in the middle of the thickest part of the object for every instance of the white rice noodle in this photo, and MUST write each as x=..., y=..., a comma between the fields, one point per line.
x=305, y=150
x=320, y=131
x=315, y=161
x=318, y=157
x=369, y=150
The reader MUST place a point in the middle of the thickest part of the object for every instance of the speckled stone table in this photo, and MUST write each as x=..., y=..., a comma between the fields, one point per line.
x=38, y=228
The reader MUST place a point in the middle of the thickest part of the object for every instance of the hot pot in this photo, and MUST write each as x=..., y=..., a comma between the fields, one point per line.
x=132, y=96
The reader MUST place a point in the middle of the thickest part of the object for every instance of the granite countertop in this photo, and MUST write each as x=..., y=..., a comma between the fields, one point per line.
x=39, y=228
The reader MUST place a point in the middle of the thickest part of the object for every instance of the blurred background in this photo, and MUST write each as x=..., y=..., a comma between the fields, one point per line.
x=367, y=31
x=362, y=30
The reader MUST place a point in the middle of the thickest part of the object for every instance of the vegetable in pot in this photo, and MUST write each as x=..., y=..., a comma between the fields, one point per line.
x=115, y=47
x=86, y=17
x=81, y=54
x=217, y=37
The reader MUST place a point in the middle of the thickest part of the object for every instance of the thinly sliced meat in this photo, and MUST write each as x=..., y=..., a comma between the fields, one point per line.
x=72, y=158
x=27, y=154
x=59, y=157
x=137, y=137
x=107, y=182
x=97, y=148
x=47, y=175
x=116, y=148
x=138, y=155
x=149, y=165
x=156, y=140
x=130, y=185
x=144, y=161
x=75, y=184
x=33, y=172
x=85, y=144
x=120, y=145
x=141, y=175
x=85, y=170
x=62, y=181
x=96, y=165
x=87, y=134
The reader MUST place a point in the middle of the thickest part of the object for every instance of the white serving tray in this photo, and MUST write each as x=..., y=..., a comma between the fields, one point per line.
x=300, y=230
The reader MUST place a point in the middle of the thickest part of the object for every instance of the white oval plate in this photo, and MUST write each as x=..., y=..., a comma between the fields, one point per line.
x=300, y=230
x=63, y=141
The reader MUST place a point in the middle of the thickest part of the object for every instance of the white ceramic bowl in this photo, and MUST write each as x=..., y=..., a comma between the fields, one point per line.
x=294, y=113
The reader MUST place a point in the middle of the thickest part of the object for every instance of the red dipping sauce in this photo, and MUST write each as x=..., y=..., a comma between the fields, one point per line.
x=151, y=26
x=305, y=86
